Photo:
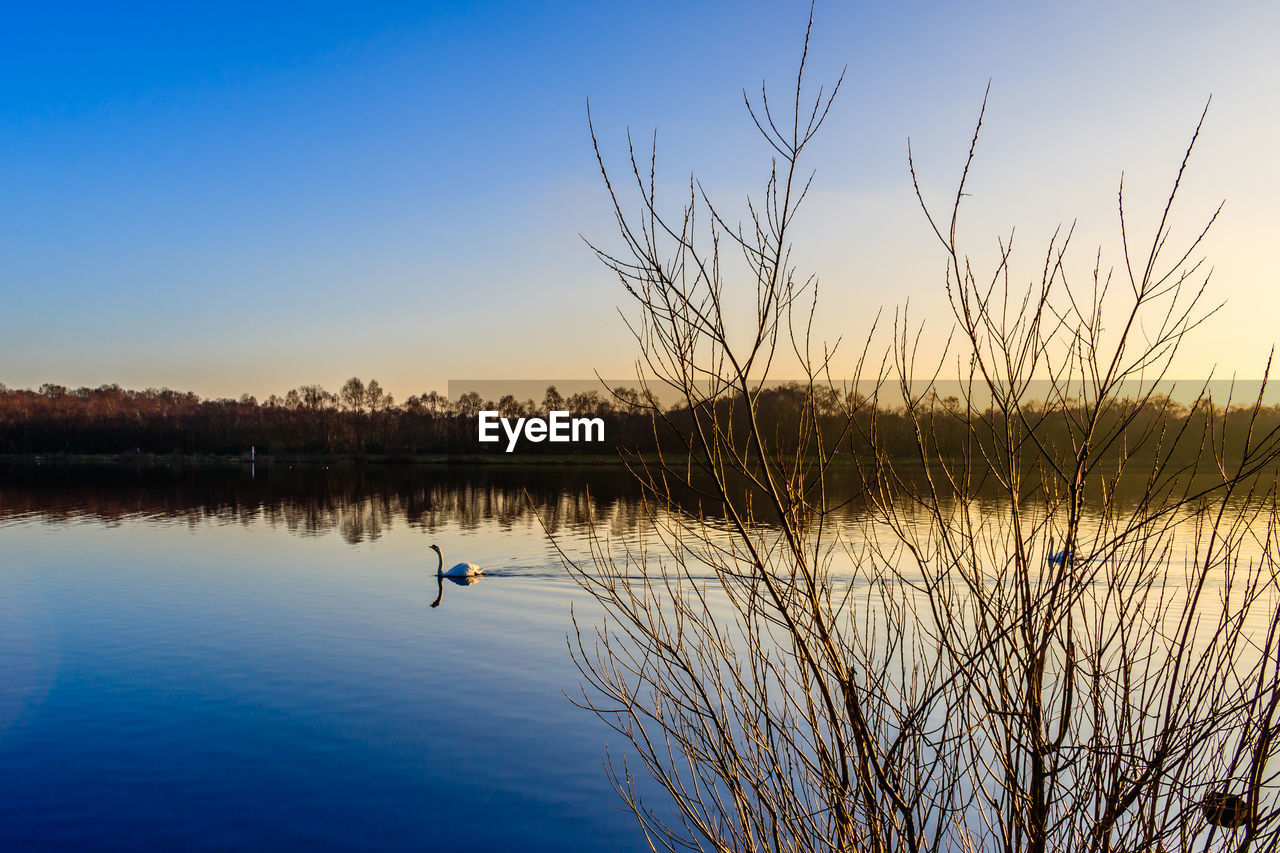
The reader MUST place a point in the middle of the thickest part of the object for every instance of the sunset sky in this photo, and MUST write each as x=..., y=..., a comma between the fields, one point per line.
x=250, y=197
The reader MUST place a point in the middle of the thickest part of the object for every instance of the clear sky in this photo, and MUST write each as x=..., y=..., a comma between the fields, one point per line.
x=234, y=198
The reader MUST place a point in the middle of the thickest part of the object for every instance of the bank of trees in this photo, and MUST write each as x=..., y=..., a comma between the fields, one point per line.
x=362, y=418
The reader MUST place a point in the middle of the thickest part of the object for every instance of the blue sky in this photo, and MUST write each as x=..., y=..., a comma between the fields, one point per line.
x=247, y=198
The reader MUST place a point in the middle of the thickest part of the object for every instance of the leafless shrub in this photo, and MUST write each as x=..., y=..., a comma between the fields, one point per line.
x=1054, y=628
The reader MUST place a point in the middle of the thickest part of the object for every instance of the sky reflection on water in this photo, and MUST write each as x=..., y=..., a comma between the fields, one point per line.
x=208, y=658
x=183, y=670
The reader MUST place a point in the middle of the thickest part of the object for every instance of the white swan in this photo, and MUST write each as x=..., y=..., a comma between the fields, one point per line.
x=462, y=570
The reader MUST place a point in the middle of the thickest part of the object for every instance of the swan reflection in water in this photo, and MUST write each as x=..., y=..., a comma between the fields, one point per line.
x=460, y=580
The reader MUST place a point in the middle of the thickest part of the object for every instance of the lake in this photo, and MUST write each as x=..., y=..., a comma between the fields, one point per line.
x=224, y=657
x=213, y=658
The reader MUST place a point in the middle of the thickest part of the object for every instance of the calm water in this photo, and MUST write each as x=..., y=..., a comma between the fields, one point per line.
x=205, y=659
x=214, y=658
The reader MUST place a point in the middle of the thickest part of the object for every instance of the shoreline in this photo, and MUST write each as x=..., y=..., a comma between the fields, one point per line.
x=267, y=460
x=389, y=459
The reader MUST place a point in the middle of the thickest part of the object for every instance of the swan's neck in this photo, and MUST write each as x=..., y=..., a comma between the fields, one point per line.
x=440, y=568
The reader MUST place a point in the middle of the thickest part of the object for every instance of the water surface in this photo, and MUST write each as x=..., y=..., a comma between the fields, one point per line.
x=229, y=657
x=209, y=659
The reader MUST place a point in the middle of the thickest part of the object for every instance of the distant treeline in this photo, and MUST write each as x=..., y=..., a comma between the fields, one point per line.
x=358, y=419
x=361, y=419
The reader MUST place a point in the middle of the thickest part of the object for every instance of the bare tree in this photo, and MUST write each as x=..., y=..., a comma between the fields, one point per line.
x=469, y=404
x=552, y=400
x=375, y=398
x=353, y=395
x=1054, y=628
x=1132, y=692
